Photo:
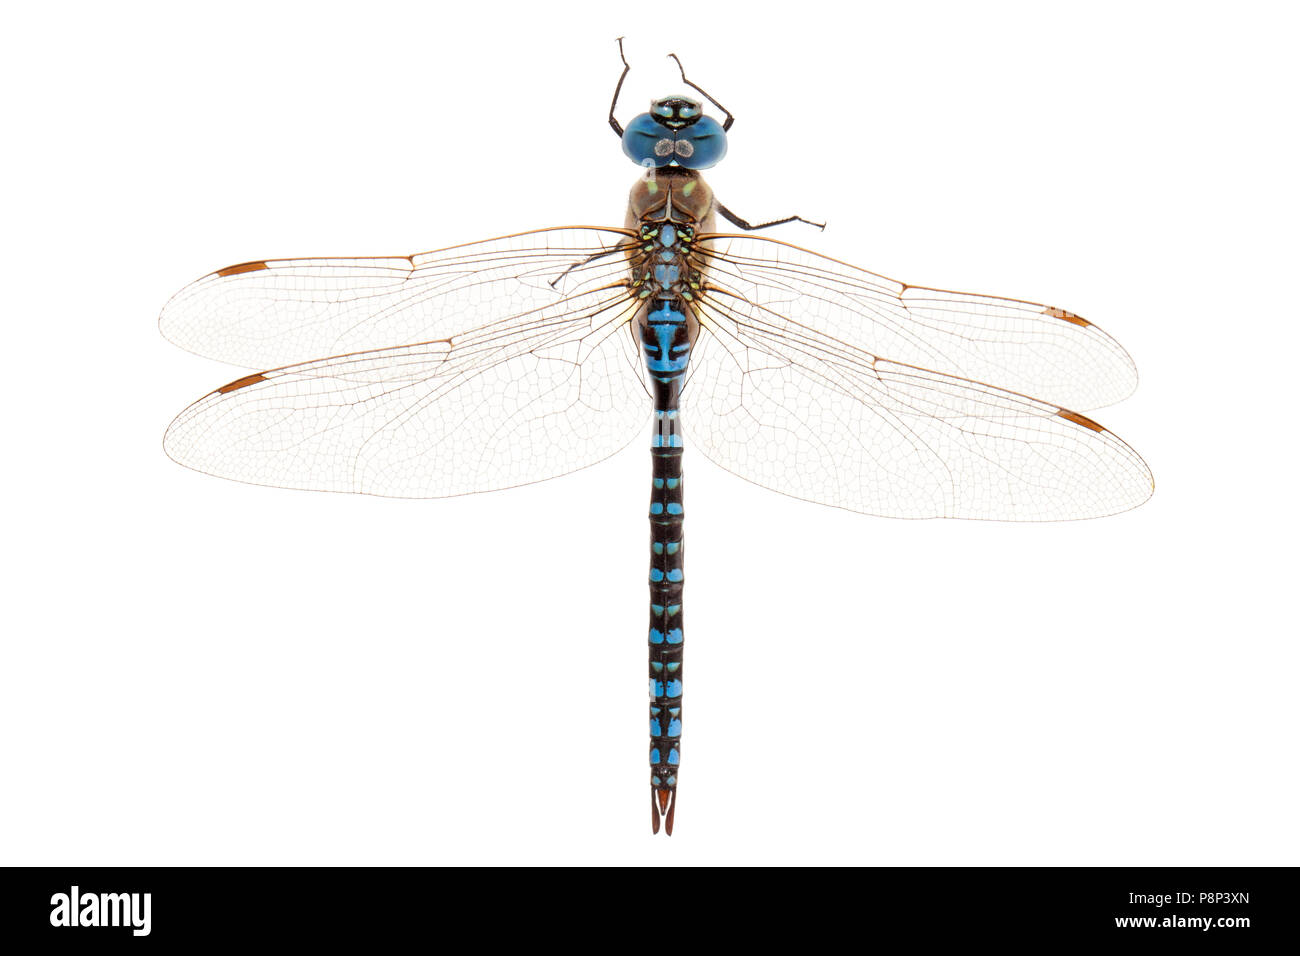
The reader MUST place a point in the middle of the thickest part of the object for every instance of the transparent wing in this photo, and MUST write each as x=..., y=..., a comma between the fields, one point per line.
x=797, y=411
x=515, y=401
x=1022, y=346
x=275, y=312
x=790, y=383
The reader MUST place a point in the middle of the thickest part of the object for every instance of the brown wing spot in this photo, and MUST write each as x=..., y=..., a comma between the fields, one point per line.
x=241, y=382
x=1056, y=313
x=1080, y=420
x=241, y=268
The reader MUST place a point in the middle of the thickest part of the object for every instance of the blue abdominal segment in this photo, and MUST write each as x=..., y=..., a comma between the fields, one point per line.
x=670, y=351
x=665, y=340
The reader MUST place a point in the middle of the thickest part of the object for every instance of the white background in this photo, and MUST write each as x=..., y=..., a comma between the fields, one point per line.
x=197, y=671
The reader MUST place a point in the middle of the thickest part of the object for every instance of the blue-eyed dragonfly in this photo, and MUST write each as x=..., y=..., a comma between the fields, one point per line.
x=499, y=363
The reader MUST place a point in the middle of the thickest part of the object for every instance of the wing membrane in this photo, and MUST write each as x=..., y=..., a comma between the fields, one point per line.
x=797, y=411
x=513, y=402
x=1022, y=346
x=811, y=377
x=280, y=311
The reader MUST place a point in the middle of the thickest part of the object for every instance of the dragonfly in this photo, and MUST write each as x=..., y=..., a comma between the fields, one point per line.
x=497, y=363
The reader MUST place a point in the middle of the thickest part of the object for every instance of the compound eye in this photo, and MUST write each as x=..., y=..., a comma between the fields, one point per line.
x=647, y=142
x=702, y=144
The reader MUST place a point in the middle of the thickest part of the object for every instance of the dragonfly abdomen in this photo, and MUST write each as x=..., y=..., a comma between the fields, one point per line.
x=666, y=341
x=666, y=635
x=667, y=209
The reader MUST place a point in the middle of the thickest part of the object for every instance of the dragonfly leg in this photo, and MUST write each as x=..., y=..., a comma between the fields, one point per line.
x=613, y=104
x=730, y=118
x=739, y=223
x=594, y=257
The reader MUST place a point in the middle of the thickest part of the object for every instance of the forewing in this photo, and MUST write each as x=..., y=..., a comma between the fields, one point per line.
x=270, y=313
x=1021, y=346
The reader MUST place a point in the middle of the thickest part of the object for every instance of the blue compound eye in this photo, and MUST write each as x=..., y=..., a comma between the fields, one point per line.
x=700, y=145
x=647, y=142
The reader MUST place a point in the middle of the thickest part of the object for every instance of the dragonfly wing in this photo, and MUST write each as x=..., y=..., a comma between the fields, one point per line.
x=1022, y=346
x=512, y=402
x=805, y=414
x=271, y=313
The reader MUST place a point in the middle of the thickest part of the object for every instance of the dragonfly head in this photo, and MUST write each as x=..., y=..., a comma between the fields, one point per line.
x=675, y=133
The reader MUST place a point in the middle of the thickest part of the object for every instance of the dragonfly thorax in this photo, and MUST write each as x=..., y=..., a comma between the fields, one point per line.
x=668, y=209
x=671, y=194
x=665, y=267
